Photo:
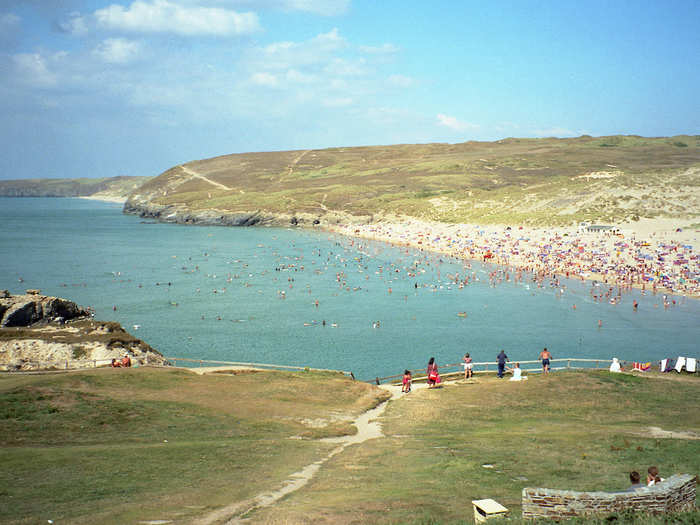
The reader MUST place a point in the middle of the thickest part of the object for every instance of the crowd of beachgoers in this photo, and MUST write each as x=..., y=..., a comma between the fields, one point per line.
x=663, y=260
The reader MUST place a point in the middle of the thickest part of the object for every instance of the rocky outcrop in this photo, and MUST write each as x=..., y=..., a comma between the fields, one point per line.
x=25, y=310
x=39, y=332
x=210, y=217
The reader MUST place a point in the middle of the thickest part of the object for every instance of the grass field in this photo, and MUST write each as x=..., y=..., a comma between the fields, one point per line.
x=123, y=446
x=527, y=181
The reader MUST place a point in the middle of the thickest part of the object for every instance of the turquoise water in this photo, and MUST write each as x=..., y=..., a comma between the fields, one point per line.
x=162, y=277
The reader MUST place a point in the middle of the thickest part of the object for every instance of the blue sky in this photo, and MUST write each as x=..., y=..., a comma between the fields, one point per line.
x=133, y=87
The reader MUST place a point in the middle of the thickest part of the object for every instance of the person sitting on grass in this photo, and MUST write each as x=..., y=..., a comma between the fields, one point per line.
x=517, y=373
x=126, y=361
x=116, y=364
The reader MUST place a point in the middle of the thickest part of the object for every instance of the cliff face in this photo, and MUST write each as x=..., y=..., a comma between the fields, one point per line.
x=181, y=214
x=39, y=332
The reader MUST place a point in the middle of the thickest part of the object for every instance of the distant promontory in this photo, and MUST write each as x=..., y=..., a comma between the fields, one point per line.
x=111, y=188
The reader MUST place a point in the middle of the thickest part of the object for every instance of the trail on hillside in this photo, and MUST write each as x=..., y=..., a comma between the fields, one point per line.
x=196, y=175
x=367, y=428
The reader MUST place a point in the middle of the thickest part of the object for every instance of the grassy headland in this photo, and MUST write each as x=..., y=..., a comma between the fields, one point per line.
x=119, y=446
x=511, y=181
x=110, y=187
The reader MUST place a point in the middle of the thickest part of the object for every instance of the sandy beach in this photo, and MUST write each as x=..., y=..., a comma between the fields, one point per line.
x=651, y=254
x=106, y=198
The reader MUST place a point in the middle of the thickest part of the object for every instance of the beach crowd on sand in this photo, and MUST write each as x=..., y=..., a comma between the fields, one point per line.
x=648, y=259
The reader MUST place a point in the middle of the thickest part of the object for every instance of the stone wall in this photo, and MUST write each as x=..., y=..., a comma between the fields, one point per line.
x=675, y=494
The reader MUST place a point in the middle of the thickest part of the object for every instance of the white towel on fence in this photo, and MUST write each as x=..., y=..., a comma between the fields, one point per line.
x=680, y=363
x=691, y=365
x=662, y=365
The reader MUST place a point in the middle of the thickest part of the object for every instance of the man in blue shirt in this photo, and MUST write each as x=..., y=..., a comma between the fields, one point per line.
x=502, y=358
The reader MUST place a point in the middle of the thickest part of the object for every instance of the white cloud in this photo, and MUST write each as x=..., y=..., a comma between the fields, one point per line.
x=401, y=81
x=555, y=132
x=75, y=25
x=384, y=49
x=32, y=69
x=117, y=50
x=453, y=123
x=9, y=19
x=342, y=67
x=163, y=16
x=264, y=79
x=329, y=41
x=296, y=77
x=320, y=7
x=294, y=55
x=337, y=102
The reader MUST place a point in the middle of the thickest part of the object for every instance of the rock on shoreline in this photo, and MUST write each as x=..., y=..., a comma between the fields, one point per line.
x=211, y=217
x=39, y=332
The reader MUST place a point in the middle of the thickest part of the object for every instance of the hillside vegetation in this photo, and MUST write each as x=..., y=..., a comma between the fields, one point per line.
x=527, y=181
x=115, y=187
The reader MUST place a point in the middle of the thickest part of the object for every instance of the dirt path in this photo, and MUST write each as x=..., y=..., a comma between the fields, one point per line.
x=367, y=428
x=196, y=175
x=295, y=162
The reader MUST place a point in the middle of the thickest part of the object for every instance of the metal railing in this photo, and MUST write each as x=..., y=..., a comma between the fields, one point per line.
x=456, y=369
x=265, y=366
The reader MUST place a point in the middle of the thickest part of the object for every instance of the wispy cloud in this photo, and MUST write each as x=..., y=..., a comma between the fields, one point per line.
x=117, y=50
x=264, y=79
x=32, y=69
x=73, y=24
x=555, y=132
x=454, y=124
x=384, y=49
x=401, y=81
x=163, y=16
x=318, y=7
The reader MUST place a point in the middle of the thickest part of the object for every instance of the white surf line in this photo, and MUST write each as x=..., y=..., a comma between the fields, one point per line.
x=202, y=177
x=367, y=428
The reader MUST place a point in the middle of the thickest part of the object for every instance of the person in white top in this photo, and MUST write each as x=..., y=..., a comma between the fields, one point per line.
x=517, y=373
x=615, y=365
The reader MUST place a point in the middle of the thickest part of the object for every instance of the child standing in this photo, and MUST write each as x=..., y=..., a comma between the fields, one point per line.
x=467, y=366
x=406, y=381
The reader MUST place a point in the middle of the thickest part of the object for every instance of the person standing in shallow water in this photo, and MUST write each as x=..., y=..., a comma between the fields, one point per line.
x=502, y=359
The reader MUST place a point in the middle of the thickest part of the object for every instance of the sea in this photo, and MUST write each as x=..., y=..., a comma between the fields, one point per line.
x=310, y=298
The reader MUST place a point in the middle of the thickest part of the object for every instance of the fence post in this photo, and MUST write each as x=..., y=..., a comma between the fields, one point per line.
x=568, y=363
x=66, y=365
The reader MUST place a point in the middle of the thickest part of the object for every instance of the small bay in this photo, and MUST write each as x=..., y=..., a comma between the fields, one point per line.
x=250, y=295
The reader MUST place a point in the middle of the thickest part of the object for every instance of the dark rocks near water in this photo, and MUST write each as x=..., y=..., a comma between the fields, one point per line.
x=39, y=332
x=179, y=214
x=26, y=310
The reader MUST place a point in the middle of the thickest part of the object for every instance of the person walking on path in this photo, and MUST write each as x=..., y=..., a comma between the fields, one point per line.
x=545, y=356
x=502, y=359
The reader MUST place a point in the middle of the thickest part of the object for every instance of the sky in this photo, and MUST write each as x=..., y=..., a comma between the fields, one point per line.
x=92, y=88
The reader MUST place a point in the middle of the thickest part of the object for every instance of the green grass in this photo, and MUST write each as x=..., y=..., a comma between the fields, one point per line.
x=578, y=431
x=119, y=446
x=527, y=181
